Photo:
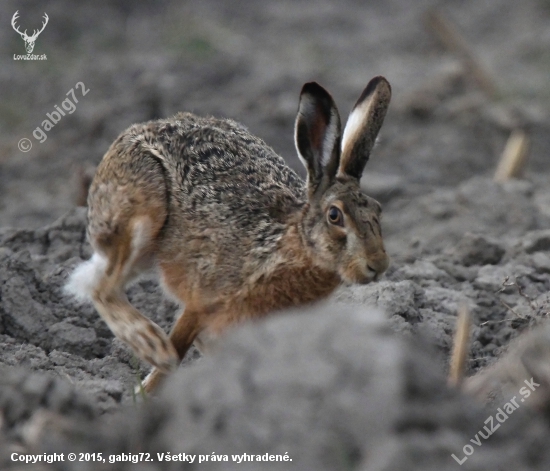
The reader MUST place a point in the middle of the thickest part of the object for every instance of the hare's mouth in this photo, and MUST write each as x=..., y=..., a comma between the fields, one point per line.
x=356, y=275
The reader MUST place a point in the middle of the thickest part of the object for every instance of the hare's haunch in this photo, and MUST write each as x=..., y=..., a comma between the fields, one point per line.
x=234, y=233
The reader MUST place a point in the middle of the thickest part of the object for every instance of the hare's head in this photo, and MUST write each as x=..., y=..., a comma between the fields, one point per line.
x=342, y=224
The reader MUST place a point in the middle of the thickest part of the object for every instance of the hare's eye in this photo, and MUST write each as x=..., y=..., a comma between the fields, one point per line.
x=335, y=216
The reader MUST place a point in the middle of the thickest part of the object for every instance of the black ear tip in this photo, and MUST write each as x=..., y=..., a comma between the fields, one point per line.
x=314, y=89
x=376, y=82
x=311, y=86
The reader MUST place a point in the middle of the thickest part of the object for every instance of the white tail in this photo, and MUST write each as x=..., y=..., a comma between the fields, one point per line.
x=86, y=277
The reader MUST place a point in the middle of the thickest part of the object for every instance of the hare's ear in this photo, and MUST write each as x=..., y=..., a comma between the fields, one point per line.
x=317, y=133
x=364, y=123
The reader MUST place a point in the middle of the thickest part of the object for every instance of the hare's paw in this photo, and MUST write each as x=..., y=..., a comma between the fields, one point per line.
x=151, y=344
x=151, y=382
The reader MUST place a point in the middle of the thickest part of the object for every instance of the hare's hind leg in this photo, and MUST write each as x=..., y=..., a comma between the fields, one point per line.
x=146, y=338
x=127, y=210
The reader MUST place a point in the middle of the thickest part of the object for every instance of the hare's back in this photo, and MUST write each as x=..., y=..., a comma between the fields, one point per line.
x=217, y=162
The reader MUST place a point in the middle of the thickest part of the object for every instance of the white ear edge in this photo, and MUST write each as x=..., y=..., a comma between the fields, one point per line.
x=307, y=108
x=357, y=121
x=300, y=156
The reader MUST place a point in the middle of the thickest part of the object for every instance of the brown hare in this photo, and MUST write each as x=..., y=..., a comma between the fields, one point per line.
x=233, y=232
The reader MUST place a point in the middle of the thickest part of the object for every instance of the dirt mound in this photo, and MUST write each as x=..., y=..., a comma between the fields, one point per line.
x=333, y=388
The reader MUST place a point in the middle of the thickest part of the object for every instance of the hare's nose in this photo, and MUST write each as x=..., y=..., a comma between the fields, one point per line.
x=379, y=264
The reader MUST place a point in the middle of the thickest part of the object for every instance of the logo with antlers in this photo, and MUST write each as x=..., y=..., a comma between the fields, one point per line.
x=29, y=40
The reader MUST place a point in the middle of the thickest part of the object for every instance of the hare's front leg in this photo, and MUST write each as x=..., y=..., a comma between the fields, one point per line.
x=185, y=330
